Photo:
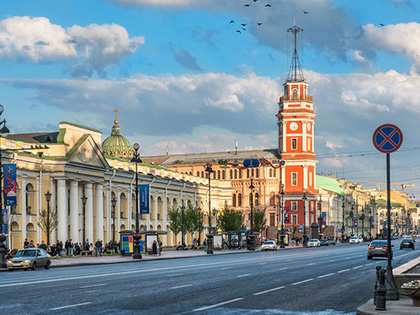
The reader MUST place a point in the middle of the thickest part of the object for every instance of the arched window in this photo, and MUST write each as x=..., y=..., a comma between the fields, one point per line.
x=239, y=200
x=234, y=200
x=257, y=199
x=294, y=93
x=236, y=174
x=257, y=173
x=240, y=173
x=252, y=173
x=223, y=174
x=270, y=172
x=274, y=172
x=218, y=174
x=247, y=173
x=231, y=174
x=272, y=199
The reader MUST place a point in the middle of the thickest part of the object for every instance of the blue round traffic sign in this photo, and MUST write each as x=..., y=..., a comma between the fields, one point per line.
x=387, y=138
x=249, y=163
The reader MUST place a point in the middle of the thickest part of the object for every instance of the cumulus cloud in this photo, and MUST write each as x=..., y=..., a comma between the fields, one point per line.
x=89, y=49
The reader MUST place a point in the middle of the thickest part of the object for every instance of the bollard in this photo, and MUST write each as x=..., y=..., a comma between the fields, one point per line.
x=375, y=292
x=381, y=297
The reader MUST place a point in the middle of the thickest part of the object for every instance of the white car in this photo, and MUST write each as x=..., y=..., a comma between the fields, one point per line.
x=354, y=240
x=314, y=242
x=360, y=239
x=268, y=245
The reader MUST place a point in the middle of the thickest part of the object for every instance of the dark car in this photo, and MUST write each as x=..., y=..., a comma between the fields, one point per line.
x=331, y=241
x=324, y=242
x=378, y=248
x=407, y=243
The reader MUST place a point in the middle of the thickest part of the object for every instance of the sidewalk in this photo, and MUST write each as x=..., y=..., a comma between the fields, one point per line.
x=403, y=306
x=166, y=254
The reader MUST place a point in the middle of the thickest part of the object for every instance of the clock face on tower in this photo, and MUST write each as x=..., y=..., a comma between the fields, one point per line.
x=293, y=126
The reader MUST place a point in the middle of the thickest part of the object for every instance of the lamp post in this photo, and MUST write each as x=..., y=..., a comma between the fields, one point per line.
x=113, y=204
x=182, y=226
x=352, y=219
x=136, y=244
x=199, y=225
x=3, y=226
x=209, y=170
x=342, y=213
x=304, y=198
x=251, y=201
x=48, y=223
x=320, y=214
x=362, y=218
x=84, y=200
x=282, y=217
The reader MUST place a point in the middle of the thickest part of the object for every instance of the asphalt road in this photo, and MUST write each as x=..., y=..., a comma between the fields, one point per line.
x=327, y=280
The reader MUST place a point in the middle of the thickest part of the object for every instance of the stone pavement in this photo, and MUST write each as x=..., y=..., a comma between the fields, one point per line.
x=403, y=306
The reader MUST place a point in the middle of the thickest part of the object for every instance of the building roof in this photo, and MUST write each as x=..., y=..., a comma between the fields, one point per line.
x=38, y=137
x=329, y=183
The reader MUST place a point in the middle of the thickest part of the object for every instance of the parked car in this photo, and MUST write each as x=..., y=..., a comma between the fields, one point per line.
x=29, y=258
x=360, y=239
x=324, y=242
x=354, y=240
x=331, y=241
x=268, y=245
x=378, y=248
x=314, y=242
x=407, y=243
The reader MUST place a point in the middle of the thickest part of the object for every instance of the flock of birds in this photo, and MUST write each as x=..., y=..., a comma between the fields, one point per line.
x=243, y=25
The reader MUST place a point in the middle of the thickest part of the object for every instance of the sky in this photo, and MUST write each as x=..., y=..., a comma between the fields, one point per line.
x=197, y=75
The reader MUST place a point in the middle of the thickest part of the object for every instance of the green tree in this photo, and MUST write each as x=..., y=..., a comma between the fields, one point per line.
x=175, y=220
x=47, y=221
x=259, y=221
x=193, y=220
x=230, y=220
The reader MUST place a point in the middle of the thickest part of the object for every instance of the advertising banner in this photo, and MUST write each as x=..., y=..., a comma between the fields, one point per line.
x=372, y=223
x=9, y=184
x=287, y=217
x=324, y=218
x=213, y=221
x=127, y=243
x=144, y=199
x=206, y=221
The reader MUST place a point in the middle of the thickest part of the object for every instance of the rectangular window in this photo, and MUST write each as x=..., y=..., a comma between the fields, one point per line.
x=294, y=205
x=294, y=179
x=272, y=219
x=294, y=219
x=310, y=179
x=294, y=144
x=309, y=144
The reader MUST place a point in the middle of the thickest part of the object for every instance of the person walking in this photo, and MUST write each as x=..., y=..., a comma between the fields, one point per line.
x=98, y=247
x=160, y=247
x=205, y=245
x=154, y=248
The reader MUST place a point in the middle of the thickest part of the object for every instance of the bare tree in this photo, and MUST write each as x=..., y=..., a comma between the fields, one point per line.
x=47, y=221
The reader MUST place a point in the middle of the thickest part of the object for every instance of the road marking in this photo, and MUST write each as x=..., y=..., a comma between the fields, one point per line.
x=327, y=275
x=369, y=264
x=331, y=260
x=175, y=275
x=245, y=275
x=267, y=291
x=344, y=270
x=93, y=286
x=216, y=305
x=181, y=286
x=283, y=268
x=68, y=306
x=311, y=264
x=300, y=282
x=226, y=268
x=357, y=267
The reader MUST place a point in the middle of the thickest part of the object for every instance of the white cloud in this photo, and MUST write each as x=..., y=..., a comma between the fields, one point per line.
x=331, y=145
x=91, y=49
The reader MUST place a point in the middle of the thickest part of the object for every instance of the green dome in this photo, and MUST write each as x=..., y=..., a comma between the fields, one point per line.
x=117, y=145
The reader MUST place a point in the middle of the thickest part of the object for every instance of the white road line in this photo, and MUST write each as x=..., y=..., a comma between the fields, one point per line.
x=226, y=268
x=68, y=306
x=344, y=270
x=282, y=268
x=181, y=286
x=331, y=260
x=369, y=264
x=216, y=305
x=357, y=267
x=311, y=264
x=175, y=275
x=300, y=282
x=327, y=275
x=267, y=291
x=93, y=286
x=245, y=275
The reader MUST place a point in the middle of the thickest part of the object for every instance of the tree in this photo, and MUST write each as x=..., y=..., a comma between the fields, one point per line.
x=193, y=220
x=47, y=221
x=175, y=220
x=259, y=220
x=230, y=220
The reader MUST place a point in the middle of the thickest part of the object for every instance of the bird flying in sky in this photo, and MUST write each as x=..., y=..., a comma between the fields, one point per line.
x=247, y=5
x=238, y=31
x=305, y=12
x=268, y=5
x=232, y=21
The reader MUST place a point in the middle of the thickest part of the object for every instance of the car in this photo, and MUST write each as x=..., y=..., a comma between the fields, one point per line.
x=29, y=258
x=331, y=241
x=360, y=239
x=378, y=248
x=354, y=240
x=324, y=242
x=314, y=242
x=268, y=245
x=407, y=243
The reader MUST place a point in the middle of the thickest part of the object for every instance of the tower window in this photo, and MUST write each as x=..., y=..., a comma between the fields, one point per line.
x=294, y=179
x=294, y=93
x=294, y=144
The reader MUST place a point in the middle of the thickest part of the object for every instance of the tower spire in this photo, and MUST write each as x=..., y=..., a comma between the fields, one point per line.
x=295, y=70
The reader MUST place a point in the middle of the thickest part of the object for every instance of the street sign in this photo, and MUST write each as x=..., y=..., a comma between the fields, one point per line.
x=4, y=211
x=248, y=163
x=301, y=228
x=387, y=138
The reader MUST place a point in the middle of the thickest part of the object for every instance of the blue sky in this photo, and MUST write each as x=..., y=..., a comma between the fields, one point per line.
x=181, y=76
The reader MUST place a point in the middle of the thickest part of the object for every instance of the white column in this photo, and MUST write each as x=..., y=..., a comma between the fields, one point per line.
x=74, y=211
x=99, y=212
x=284, y=147
x=23, y=195
x=62, y=210
x=156, y=212
x=118, y=216
x=305, y=176
x=53, y=207
x=304, y=140
x=165, y=209
x=89, y=212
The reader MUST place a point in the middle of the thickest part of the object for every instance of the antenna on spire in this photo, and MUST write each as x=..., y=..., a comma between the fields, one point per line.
x=295, y=70
x=116, y=117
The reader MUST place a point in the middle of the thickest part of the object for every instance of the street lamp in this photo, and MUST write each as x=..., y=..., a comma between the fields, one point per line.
x=199, y=225
x=84, y=200
x=362, y=217
x=352, y=219
x=136, y=244
x=304, y=198
x=3, y=226
x=113, y=204
x=252, y=203
x=282, y=217
x=342, y=213
x=320, y=214
x=48, y=222
x=182, y=226
x=209, y=170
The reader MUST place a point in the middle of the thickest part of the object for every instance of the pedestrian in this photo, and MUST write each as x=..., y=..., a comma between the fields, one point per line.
x=154, y=248
x=59, y=248
x=205, y=245
x=43, y=245
x=25, y=243
x=98, y=247
x=157, y=249
x=31, y=244
x=160, y=246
